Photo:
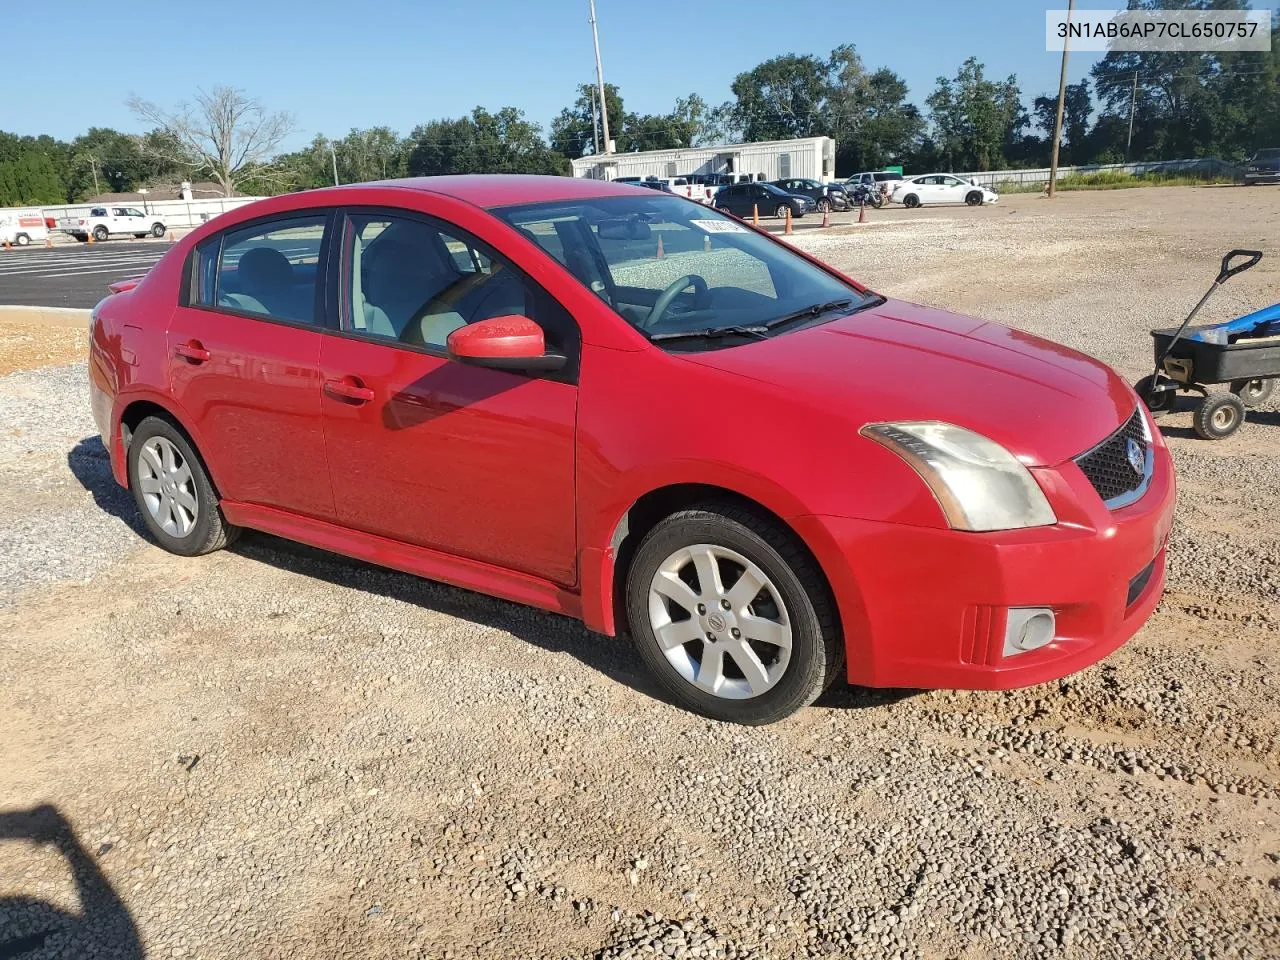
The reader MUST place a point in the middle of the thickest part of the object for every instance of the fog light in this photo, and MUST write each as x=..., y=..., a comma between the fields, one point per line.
x=1028, y=628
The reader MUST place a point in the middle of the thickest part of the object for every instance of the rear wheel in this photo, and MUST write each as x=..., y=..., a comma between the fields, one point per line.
x=1219, y=416
x=138, y=236
x=22, y=239
x=732, y=615
x=911, y=200
x=100, y=233
x=157, y=230
x=173, y=491
x=1253, y=393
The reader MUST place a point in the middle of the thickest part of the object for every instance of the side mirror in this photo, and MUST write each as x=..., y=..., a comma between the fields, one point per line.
x=503, y=343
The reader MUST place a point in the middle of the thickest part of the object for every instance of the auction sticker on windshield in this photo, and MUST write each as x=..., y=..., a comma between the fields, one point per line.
x=718, y=226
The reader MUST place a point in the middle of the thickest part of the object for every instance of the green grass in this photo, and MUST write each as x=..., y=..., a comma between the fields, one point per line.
x=1114, y=180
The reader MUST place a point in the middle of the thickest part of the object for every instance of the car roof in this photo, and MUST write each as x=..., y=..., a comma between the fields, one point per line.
x=506, y=189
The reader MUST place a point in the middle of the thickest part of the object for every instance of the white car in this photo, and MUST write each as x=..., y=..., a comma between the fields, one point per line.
x=941, y=188
x=22, y=227
x=103, y=222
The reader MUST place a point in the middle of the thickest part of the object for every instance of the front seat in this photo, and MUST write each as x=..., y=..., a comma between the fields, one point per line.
x=266, y=275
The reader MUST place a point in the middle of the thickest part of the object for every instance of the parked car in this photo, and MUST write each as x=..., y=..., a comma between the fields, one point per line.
x=1263, y=167
x=659, y=185
x=714, y=181
x=103, y=222
x=492, y=381
x=684, y=187
x=743, y=199
x=875, y=176
x=941, y=188
x=22, y=227
x=825, y=196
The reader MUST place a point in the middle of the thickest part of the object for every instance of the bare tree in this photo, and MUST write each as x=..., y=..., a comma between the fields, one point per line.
x=226, y=132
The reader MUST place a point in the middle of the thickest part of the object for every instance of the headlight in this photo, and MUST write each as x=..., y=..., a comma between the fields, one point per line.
x=978, y=483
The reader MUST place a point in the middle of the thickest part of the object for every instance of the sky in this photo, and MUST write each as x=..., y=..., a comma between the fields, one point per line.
x=338, y=64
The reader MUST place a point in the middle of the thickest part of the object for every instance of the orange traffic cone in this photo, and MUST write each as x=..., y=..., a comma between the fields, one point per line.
x=88, y=238
x=48, y=241
x=787, y=228
x=8, y=245
x=862, y=213
x=661, y=253
x=826, y=216
x=755, y=214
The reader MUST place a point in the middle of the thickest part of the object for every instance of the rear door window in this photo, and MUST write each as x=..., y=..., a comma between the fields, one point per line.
x=266, y=270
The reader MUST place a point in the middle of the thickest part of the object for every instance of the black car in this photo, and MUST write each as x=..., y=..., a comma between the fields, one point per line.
x=742, y=199
x=660, y=185
x=1263, y=166
x=826, y=196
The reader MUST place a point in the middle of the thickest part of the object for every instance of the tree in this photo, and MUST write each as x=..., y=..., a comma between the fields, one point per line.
x=976, y=121
x=782, y=98
x=880, y=126
x=226, y=133
x=573, y=132
x=1076, y=111
x=501, y=142
x=30, y=170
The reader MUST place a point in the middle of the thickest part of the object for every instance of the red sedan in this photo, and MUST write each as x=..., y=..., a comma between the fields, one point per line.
x=632, y=409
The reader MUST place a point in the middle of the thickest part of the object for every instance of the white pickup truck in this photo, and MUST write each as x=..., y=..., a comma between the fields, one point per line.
x=103, y=222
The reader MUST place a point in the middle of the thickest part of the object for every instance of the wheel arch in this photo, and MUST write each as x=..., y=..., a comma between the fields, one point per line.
x=137, y=410
x=640, y=517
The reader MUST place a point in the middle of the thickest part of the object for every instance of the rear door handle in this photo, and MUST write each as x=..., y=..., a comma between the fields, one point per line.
x=349, y=389
x=193, y=351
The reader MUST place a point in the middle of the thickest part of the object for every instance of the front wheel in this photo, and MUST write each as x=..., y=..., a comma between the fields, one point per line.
x=824, y=205
x=100, y=234
x=1157, y=401
x=22, y=239
x=1253, y=393
x=157, y=230
x=1219, y=416
x=974, y=198
x=732, y=614
x=178, y=503
x=781, y=212
x=911, y=201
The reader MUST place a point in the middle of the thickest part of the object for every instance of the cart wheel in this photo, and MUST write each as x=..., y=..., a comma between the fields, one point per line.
x=1253, y=393
x=1161, y=401
x=1219, y=416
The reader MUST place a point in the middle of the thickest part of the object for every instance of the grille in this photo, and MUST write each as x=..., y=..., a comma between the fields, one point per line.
x=1107, y=465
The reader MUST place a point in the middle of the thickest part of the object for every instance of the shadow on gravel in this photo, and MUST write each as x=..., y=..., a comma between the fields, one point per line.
x=91, y=465
x=30, y=927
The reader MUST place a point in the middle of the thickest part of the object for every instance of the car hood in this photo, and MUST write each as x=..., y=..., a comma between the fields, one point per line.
x=1043, y=402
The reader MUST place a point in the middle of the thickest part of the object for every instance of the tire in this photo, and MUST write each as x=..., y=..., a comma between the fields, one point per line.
x=824, y=205
x=187, y=532
x=1219, y=416
x=781, y=212
x=794, y=599
x=139, y=236
x=1253, y=393
x=1163, y=401
x=157, y=230
x=22, y=240
x=973, y=198
x=100, y=234
x=911, y=201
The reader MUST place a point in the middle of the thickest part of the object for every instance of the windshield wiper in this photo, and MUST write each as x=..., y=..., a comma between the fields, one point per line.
x=760, y=332
x=814, y=310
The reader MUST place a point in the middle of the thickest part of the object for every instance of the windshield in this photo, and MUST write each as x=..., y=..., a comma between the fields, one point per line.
x=1270, y=154
x=670, y=267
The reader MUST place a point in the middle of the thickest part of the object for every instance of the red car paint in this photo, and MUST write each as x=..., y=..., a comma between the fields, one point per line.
x=521, y=486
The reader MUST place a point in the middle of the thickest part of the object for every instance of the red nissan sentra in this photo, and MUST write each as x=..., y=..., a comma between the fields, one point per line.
x=632, y=409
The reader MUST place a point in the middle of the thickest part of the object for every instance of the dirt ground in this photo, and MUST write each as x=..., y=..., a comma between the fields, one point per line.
x=270, y=752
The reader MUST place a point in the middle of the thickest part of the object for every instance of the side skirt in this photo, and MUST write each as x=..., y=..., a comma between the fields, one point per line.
x=419, y=561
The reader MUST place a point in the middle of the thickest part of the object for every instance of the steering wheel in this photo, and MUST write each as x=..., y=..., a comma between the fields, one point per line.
x=668, y=297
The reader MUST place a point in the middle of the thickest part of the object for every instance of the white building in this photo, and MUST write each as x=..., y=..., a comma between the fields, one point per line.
x=813, y=157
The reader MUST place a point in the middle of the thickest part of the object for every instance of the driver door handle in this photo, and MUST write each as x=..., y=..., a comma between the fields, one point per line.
x=350, y=389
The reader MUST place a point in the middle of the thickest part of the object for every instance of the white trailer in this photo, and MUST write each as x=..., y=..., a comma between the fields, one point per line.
x=810, y=157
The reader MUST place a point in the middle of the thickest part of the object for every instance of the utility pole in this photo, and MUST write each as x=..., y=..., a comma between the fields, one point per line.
x=595, y=122
x=1062, y=99
x=604, y=103
x=334, y=155
x=94, y=167
x=1133, y=102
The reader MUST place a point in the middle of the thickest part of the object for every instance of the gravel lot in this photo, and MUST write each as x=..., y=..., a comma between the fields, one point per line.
x=271, y=752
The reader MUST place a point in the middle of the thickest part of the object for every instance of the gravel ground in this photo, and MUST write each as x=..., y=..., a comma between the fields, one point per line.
x=272, y=752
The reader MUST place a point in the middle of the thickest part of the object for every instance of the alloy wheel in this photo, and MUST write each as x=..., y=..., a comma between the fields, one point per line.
x=167, y=486
x=720, y=621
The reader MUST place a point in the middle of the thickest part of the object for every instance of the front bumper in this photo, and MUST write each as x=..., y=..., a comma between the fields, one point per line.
x=925, y=607
x=1262, y=176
